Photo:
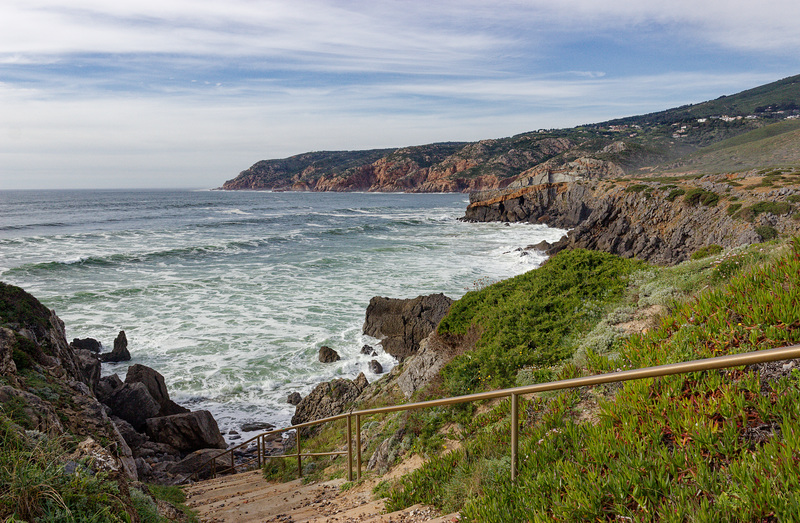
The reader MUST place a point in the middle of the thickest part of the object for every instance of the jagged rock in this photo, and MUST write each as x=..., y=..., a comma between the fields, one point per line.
x=125, y=455
x=95, y=456
x=375, y=367
x=294, y=398
x=89, y=367
x=328, y=355
x=386, y=453
x=368, y=350
x=37, y=413
x=106, y=387
x=133, y=403
x=157, y=388
x=419, y=370
x=186, y=432
x=328, y=399
x=153, y=450
x=89, y=344
x=120, y=352
x=401, y=324
x=133, y=438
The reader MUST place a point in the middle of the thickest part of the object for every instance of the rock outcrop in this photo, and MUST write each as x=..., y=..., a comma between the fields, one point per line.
x=328, y=355
x=120, y=351
x=401, y=324
x=328, y=399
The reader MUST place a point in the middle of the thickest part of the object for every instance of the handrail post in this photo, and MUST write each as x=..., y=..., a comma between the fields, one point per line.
x=349, y=449
x=358, y=446
x=260, y=456
x=514, y=435
x=233, y=464
x=299, y=457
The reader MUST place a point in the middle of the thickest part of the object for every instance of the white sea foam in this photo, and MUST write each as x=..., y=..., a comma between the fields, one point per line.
x=232, y=310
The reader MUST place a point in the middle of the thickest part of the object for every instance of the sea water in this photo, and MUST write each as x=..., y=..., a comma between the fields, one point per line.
x=230, y=295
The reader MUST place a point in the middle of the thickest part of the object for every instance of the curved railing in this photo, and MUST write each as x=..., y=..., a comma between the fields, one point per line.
x=218, y=466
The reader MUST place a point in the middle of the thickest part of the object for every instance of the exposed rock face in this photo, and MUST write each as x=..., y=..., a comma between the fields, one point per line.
x=442, y=167
x=329, y=399
x=89, y=367
x=425, y=365
x=375, y=367
x=187, y=432
x=157, y=388
x=294, y=398
x=401, y=324
x=7, y=342
x=328, y=355
x=39, y=414
x=120, y=352
x=644, y=223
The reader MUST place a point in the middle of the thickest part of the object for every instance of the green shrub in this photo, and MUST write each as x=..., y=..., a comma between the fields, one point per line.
x=674, y=193
x=698, y=195
x=767, y=232
x=636, y=188
x=794, y=198
x=705, y=252
x=732, y=208
x=522, y=320
x=778, y=208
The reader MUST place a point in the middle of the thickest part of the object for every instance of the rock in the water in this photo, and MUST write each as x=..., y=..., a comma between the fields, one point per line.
x=89, y=344
x=120, y=352
x=157, y=388
x=249, y=427
x=402, y=324
x=328, y=399
x=328, y=355
x=133, y=403
x=187, y=432
x=294, y=398
x=368, y=350
x=375, y=367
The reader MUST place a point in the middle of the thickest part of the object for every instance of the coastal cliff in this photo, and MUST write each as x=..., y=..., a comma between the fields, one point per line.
x=662, y=221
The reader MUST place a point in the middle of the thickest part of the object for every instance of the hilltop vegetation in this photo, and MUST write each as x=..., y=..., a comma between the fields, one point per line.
x=652, y=142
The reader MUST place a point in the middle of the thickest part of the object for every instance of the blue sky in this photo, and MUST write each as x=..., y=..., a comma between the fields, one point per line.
x=187, y=93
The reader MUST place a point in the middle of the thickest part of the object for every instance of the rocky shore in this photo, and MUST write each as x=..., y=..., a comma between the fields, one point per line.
x=661, y=221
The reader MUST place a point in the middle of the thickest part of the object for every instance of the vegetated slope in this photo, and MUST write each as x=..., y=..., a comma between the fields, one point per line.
x=711, y=446
x=777, y=144
x=598, y=150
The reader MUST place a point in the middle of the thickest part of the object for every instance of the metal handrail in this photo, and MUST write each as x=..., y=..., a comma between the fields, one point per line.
x=719, y=362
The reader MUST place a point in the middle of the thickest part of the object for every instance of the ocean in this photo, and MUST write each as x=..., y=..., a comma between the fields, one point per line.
x=229, y=295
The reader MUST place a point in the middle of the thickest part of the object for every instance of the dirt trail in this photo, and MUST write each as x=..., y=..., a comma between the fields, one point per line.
x=248, y=497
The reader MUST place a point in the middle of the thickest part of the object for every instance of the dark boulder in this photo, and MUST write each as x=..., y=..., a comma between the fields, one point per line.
x=328, y=355
x=368, y=350
x=133, y=403
x=187, y=432
x=198, y=462
x=120, y=352
x=89, y=344
x=257, y=425
x=294, y=398
x=375, y=367
x=401, y=324
x=157, y=388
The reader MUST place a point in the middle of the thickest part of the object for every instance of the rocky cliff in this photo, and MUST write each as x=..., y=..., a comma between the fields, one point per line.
x=50, y=388
x=662, y=221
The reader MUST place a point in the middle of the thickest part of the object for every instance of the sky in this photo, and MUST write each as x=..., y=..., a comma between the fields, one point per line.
x=188, y=93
